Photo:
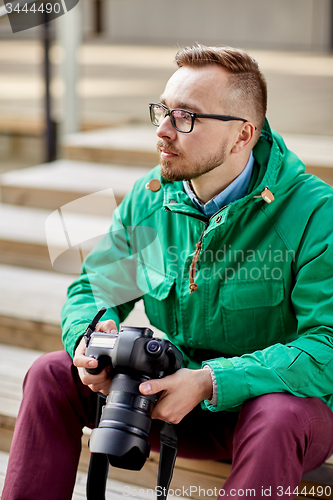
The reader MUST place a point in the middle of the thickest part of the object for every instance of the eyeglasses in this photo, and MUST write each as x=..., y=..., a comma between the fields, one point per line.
x=181, y=119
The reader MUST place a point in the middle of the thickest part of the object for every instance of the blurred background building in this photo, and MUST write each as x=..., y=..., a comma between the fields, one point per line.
x=282, y=25
x=109, y=58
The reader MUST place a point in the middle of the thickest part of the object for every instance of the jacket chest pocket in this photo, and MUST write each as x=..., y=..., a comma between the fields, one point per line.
x=158, y=298
x=252, y=314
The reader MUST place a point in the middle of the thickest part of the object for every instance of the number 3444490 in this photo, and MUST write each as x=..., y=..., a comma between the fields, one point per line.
x=315, y=491
x=44, y=7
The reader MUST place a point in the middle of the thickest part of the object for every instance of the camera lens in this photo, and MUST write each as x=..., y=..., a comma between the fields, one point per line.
x=125, y=424
x=153, y=347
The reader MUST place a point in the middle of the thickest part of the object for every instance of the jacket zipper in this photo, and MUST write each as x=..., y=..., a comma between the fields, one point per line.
x=193, y=286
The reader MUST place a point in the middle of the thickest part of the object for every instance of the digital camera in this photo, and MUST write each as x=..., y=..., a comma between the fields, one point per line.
x=134, y=357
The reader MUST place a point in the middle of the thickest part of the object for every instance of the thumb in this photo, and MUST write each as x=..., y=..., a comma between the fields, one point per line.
x=151, y=387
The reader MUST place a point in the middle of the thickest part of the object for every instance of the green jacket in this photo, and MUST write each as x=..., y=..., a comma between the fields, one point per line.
x=262, y=314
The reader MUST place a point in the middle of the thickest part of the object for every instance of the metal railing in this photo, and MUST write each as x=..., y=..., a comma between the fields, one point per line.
x=50, y=125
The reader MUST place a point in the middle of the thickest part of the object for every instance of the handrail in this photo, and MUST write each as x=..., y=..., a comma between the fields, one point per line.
x=49, y=123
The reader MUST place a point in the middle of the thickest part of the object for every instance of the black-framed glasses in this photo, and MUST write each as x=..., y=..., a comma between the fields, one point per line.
x=181, y=119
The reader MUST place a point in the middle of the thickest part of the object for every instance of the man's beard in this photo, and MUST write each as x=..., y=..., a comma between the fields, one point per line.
x=197, y=169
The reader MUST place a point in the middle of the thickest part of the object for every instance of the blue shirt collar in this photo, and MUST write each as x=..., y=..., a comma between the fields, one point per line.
x=236, y=190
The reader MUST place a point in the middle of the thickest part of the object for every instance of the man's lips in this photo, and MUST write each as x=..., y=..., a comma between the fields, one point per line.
x=166, y=153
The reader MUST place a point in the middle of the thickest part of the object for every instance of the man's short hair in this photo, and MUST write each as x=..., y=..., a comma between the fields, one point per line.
x=248, y=88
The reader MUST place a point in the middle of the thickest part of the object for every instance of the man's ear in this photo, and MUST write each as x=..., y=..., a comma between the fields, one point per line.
x=244, y=138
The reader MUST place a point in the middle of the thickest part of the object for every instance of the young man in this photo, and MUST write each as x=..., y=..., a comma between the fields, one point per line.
x=229, y=243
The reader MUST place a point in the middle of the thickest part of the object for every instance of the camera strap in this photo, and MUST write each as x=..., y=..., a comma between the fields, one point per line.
x=99, y=463
x=168, y=454
x=97, y=476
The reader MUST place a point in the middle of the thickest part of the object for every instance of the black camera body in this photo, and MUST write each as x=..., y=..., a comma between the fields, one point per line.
x=134, y=357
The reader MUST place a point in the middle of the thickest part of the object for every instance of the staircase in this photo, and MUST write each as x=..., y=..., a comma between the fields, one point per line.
x=96, y=171
x=32, y=291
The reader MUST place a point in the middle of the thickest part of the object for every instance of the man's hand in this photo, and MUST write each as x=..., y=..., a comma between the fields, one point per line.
x=102, y=381
x=181, y=392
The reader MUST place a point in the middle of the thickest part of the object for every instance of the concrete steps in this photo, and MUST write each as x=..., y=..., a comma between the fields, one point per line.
x=131, y=145
x=51, y=216
x=30, y=307
x=30, y=124
x=52, y=185
x=22, y=133
x=60, y=207
x=30, y=237
x=115, y=489
x=315, y=151
x=38, y=205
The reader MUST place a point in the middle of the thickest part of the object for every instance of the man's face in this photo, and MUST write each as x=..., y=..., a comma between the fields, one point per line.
x=189, y=156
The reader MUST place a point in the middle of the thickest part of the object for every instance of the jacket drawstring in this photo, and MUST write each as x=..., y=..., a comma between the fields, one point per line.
x=266, y=195
x=193, y=286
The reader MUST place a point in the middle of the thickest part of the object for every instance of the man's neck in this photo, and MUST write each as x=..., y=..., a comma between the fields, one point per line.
x=214, y=182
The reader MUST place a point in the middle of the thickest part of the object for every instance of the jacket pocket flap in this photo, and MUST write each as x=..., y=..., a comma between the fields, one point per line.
x=153, y=282
x=252, y=294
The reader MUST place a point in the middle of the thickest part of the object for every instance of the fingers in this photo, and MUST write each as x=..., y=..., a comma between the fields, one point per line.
x=97, y=383
x=80, y=360
x=181, y=392
x=108, y=326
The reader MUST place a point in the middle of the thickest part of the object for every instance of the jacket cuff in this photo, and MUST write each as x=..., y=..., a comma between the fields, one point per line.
x=232, y=389
x=73, y=339
x=214, y=399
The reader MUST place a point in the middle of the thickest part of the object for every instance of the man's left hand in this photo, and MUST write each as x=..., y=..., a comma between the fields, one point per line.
x=180, y=393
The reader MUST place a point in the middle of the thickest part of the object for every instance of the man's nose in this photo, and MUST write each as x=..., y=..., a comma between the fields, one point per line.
x=166, y=129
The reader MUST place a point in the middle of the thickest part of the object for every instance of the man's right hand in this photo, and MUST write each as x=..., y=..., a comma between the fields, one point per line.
x=97, y=383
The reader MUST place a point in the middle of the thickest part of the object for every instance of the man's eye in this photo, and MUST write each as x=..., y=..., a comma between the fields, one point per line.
x=182, y=115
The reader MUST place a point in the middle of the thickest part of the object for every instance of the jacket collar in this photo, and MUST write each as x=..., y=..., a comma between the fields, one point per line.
x=268, y=159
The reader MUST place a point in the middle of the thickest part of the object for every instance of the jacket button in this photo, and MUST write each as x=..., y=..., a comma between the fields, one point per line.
x=173, y=201
x=153, y=185
x=219, y=218
x=192, y=342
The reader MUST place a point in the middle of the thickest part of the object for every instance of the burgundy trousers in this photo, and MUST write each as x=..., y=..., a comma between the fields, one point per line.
x=272, y=441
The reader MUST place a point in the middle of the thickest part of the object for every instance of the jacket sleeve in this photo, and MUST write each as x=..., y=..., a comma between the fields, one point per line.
x=107, y=279
x=303, y=367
